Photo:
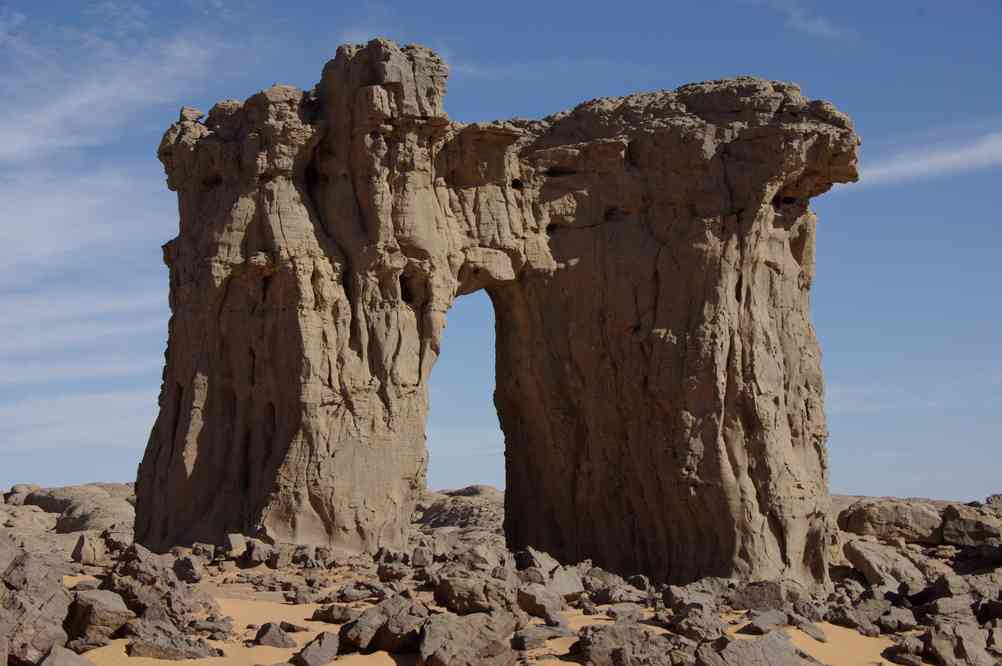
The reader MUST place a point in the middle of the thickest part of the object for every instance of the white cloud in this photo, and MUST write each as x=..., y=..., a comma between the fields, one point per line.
x=873, y=398
x=73, y=336
x=79, y=214
x=52, y=214
x=9, y=23
x=100, y=419
x=374, y=20
x=928, y=162
x=802, y=17
x=97, y=367
x=86, y=100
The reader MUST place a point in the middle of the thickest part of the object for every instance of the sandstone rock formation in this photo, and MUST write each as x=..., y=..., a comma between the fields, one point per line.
x=649, y=259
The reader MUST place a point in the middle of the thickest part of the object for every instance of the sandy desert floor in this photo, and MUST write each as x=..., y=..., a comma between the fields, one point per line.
x=250, y=609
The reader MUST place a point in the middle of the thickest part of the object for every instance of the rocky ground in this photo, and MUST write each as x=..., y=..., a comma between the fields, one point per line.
x=914, y=582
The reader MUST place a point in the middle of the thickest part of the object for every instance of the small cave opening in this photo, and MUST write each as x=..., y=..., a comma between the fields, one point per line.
x=551, y=229
x=346, y=283
x=517, y=184
x=211, y=181
x=614, y=214
x=779, y=201
x=407, y=291
x=559, y=171
x=465, y=442
x=265, y=286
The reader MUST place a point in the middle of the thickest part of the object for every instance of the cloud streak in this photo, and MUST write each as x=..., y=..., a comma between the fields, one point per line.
x=801, y=17
x=115, y=418
x=84, y=101
x=924, y=163
x=81, y=352
x=873, y=399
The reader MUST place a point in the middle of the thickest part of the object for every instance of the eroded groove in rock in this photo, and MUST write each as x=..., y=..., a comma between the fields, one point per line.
x=649, y=259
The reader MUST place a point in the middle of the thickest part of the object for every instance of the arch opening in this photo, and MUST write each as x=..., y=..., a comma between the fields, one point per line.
x=465, y=441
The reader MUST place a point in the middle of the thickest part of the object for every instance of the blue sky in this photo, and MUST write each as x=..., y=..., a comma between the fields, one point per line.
x=906, y=302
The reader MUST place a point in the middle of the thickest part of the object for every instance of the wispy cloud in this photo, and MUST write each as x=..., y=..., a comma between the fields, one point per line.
x=928, y=162
x=945, y=393
x=96, y=367
x=373, y=20
x=115, y=418
x=9, y=23
x=53, y=213
x=874, y=398
x=83, y=334
x=85, y=99
x=801, y=16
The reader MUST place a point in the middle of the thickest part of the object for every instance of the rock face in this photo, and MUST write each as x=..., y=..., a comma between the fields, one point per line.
x=649, y=259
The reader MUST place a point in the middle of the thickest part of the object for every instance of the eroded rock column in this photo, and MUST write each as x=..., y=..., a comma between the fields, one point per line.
x=649, y=259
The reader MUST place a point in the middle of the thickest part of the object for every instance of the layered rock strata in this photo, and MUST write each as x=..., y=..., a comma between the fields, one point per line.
x=649, y=259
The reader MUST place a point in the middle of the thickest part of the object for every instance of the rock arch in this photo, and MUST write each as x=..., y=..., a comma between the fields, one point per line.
x=649, y=259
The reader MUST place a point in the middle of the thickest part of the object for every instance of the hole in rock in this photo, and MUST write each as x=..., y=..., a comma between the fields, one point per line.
x=265, y=286
x=614, y=214
x=406, y=290
x=557, y=171
x=778, y=201
x=517, y=184
x=465, y=443
x=550, y=229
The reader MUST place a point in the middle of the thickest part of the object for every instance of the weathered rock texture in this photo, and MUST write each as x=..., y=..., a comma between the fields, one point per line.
x=649, y=259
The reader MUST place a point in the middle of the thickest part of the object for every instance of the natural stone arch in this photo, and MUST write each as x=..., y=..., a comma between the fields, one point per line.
x=649, y=259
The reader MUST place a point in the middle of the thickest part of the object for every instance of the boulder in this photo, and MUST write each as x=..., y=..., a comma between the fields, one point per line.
x=533, y=637
x=162, y=640
x=393, y=625
x=320, y=651
x=60, y=656
x=913, y=521
x=95, y=616
x=335, y=614
x=884, y=566
x=539, y=601
x=762, y=622
x=273, y=635
x=766, y=595
x=463, y=595
x=95, y=515
x=970, y=527
x=33, y=604
x=897, y=620
x=772, y=650
x=624, y=643
x=958, y=644
x=150, y=588
x=19, y=492
x=698, y=623
x=188, y=569
x=89, y=550
x=478, y=639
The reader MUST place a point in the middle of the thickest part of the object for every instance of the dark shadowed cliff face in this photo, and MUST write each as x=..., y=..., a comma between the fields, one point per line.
x=649, y=259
